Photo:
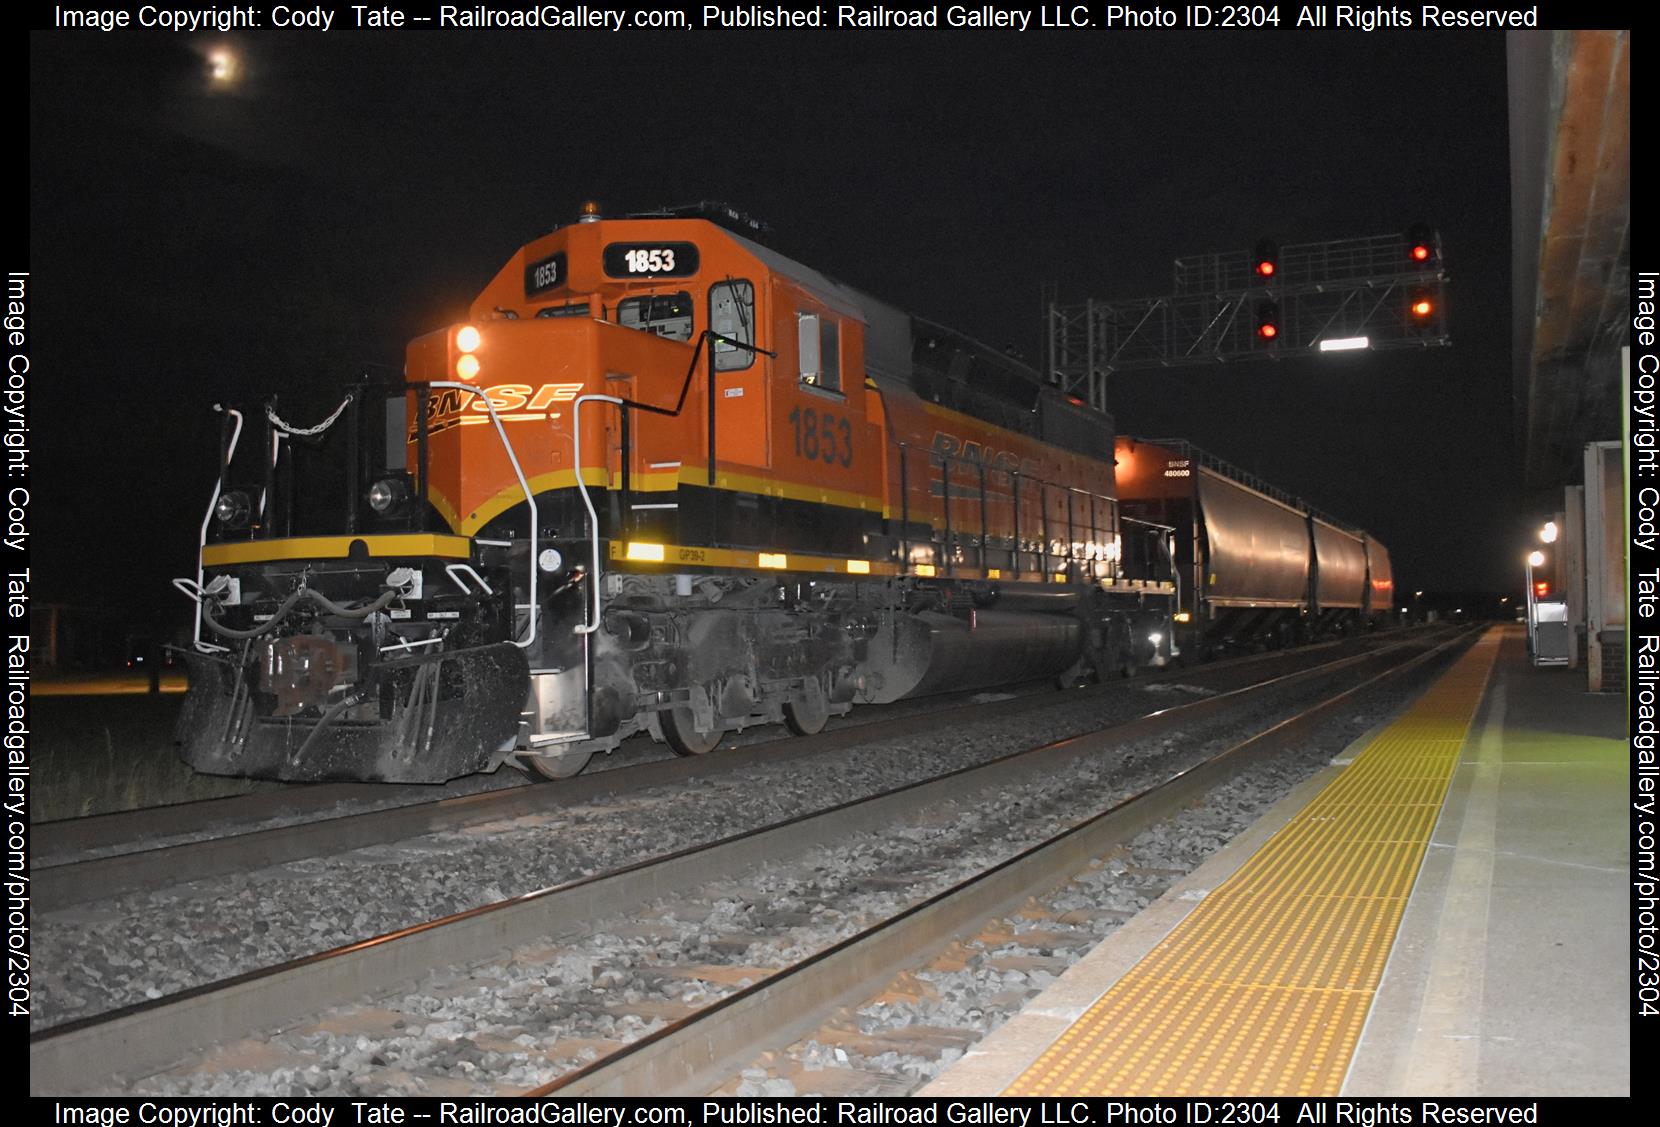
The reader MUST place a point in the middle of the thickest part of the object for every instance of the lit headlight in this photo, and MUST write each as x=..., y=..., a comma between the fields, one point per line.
x=387, y=494
x=1155, y=638
x=232, y=509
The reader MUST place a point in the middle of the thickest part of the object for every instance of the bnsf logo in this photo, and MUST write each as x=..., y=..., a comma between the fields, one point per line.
x=514, y=402
x=950, y=446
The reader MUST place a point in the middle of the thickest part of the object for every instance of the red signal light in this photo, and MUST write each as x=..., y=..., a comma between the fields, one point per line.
x=1423, y=307
x=1541, y=588
x=1266, y=260
x=1420, y=243
x=1268, y=320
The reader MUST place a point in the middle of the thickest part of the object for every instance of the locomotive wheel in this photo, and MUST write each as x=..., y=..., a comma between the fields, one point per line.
x=680, y=730
x=556, y=766
x=807, y=713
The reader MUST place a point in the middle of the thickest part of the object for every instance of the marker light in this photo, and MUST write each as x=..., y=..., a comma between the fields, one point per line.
x=773, y=559
x=858, y=567
x=590, y=212
x=642, y=551
x=467, y=338
x=466, y=366
x=925, y=570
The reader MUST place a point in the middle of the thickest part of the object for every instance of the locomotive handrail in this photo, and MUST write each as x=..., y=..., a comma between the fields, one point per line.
x=588, y=503
x=228, y=451
x=680, y=402
x=530, y=500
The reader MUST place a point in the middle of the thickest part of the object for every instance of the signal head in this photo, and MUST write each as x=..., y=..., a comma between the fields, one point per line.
x=1265, y=262
x=1421, y=246
x=1268, y=321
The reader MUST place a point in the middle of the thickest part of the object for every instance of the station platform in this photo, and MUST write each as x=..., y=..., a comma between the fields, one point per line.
x=1443, y=911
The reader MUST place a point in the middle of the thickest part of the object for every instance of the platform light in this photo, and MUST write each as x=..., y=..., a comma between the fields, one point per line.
x=1345, y=344
x=1547, y=534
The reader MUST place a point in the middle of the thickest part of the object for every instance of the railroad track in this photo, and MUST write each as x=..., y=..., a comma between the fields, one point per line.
x=71, y=879
x=679, y=1056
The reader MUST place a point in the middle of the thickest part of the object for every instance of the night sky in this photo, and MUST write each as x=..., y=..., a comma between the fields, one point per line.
x=191, y=246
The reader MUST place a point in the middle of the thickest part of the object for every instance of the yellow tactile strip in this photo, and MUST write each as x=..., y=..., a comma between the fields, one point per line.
x=1264, y=987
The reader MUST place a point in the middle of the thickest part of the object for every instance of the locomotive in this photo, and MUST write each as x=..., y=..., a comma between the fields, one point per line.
x=663, y=479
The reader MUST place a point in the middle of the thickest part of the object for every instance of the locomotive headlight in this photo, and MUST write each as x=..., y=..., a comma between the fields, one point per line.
x=467, y=338
x=387, y=494
x=1155, y=638
x=232, y=509
x=466, y=366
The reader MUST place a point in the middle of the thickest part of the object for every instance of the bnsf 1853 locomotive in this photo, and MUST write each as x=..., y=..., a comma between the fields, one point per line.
x=662, y=480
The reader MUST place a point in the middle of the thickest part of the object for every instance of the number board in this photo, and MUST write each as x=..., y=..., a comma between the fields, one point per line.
x=650, y=260
x=545, y=274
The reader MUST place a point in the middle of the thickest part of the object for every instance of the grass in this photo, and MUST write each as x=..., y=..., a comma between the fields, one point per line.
x=102, y=754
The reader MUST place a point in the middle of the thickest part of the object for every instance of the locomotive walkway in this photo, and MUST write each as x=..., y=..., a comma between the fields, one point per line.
x=1487, y=824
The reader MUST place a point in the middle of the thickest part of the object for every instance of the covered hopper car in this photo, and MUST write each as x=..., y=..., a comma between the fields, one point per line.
x=1254, y=565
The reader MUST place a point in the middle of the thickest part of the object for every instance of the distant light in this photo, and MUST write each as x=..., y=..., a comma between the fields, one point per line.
x=1183, y=616
x=1422, y=307
x=1536, y=559
x=224, y=68
x=1155, y=638
x=1345, y=344
x=1548, y=533
x=1266, y=269
x=1268, y=330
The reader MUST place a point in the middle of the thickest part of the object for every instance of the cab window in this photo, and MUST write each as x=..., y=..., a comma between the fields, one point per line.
x=732, y=314
x=666, y=314
x=818, y=340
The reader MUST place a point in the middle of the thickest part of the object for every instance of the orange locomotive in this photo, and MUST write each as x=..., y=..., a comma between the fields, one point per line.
x=663, y=479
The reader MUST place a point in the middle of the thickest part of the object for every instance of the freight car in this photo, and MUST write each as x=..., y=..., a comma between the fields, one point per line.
x=1255, y=566
x=666, y=480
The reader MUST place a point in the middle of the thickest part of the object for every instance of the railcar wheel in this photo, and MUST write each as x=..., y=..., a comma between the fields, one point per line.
x=680, y=730
x=556, y=766
x=808, y=712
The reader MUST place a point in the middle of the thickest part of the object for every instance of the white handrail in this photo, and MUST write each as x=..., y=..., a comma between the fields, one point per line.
x=588, y=503
x=524, y=485
x=201, y=543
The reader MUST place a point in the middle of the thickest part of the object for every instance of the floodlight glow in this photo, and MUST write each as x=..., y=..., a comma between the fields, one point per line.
x=1548, y=533
x=1345, y=344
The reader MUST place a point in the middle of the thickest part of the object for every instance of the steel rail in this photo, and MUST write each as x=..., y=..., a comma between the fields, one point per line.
x=77, y=1055
x=65, y=884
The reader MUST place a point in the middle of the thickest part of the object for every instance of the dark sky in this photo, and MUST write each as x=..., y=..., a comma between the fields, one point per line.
x=190, y=246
